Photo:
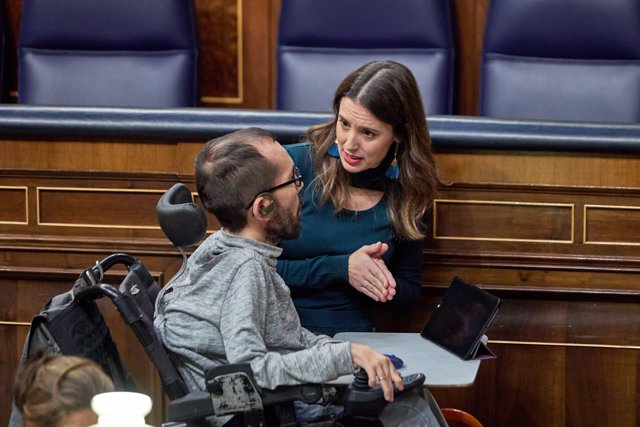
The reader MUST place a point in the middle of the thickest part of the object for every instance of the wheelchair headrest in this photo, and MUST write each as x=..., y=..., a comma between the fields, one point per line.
x=182, y=221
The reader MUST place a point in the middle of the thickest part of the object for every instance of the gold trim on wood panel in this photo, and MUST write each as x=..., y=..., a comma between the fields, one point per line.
x=103, y=190
x=613, y=207
x=5, y=322
x=565, y=344
x=26, y=204
x=240, y=98
x=501, y=202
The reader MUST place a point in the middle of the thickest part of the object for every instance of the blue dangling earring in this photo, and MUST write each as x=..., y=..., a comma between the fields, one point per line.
x=393, y=171
x=333, y=150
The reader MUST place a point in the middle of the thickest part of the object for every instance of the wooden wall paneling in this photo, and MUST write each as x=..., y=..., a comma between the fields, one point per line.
x=273, y=28
x=389, y=320
x=236, y=53
x=525, y=278
x=503, y=220
x=95, y=216
x=85, y=190
x=237, y=58
x=15, y=204
x=469, y=22
x=11, y=337
x=537, y=234
x=74, y=219
x=97, y=207
x=554, y=234
x=540, y=168
x=99, y=156
x=72, y=204
x=532, y=384
x=61, y=216
x=612, y=224
x=559, y=363
x=609, y=377
x=258, y=55
x=221, y=49
x=13, y=9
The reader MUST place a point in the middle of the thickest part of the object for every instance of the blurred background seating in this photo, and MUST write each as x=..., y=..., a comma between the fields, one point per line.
x=320, y=42
x=562, y=60
x=123, y=53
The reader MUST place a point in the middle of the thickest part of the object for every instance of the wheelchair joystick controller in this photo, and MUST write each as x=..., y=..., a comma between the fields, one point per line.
x=364, y=403
x=361, y=380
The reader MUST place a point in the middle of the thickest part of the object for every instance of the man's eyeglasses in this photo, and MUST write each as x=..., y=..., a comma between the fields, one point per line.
x=297, y=180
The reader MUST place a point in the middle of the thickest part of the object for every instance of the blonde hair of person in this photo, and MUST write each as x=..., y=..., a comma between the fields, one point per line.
x=53, y=386
x=390, y=92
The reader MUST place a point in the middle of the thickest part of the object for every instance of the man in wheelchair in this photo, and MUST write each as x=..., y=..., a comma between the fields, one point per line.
x=230, y=306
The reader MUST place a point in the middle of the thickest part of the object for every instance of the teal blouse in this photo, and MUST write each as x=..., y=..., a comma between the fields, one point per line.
x=315, y=265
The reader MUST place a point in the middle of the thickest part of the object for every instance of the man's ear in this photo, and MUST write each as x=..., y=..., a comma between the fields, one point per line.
x=265, y=204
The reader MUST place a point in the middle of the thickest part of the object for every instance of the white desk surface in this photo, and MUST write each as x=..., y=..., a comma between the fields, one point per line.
x=441, y=368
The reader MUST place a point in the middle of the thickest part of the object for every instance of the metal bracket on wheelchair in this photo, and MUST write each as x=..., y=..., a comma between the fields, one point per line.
x=94, y=275
x=234, y=392
x=230, y=390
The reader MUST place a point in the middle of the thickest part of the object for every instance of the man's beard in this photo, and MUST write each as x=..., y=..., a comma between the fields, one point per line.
x=283, y=225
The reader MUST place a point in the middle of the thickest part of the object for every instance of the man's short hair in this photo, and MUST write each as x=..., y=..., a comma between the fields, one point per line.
x=230, y=171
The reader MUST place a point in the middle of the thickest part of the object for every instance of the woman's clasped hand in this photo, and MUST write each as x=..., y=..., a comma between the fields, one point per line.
x=369, y=274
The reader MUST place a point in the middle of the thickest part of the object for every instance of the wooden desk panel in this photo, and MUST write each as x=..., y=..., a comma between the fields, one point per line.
x=569, y=278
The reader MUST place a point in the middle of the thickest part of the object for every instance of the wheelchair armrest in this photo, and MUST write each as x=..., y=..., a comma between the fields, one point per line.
x=232, y=389
x=194, y=406
x=307, y=393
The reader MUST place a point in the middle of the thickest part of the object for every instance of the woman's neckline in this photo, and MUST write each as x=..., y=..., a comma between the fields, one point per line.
x=368, y=199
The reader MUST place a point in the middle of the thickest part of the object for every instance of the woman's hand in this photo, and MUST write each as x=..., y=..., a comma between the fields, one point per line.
x=378, y=367
x=369, y=274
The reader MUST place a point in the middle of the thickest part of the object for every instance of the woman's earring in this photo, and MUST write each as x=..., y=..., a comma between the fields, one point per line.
x=333, y=150
x=393, y=171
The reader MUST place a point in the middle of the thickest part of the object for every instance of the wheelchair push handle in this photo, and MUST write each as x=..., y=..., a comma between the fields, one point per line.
x=94, y=275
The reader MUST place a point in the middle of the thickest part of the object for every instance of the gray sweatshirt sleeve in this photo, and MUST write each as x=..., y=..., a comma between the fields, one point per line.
x=256, y=315
x=312, y=339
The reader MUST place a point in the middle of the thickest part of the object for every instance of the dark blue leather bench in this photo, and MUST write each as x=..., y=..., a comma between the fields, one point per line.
x=447, y=132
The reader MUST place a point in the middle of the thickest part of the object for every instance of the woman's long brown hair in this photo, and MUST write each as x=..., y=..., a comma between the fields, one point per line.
x=390, y=92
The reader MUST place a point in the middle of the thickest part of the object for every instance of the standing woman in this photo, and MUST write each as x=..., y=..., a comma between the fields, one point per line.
x=371, y=179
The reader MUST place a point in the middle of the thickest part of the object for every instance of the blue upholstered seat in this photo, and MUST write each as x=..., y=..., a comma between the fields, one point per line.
x=128, y=53
x=562, y=60
x=321, y=42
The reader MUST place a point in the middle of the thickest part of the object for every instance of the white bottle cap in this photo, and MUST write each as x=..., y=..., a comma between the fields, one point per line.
x=121, y=409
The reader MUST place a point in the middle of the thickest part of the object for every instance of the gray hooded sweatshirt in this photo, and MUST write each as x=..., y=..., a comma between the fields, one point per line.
x=230, y=306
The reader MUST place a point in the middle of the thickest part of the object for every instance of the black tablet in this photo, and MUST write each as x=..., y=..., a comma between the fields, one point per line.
x=461, y=319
